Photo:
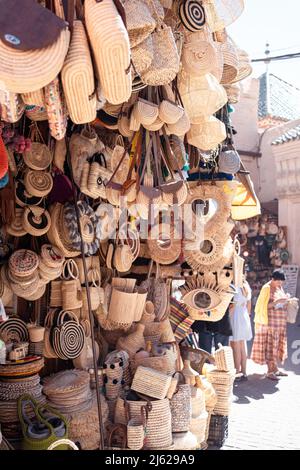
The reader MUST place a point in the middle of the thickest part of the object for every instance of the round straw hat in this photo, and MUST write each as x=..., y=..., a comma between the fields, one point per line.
x=231, y=61
x=38, y=157
x=26, y=71
x=56, y=234
x=38, y=183
x=78, y=78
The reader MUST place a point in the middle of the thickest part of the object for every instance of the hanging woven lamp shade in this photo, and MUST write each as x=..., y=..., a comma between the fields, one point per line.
x=222, y=13
x=207, y=134
x=231, y=61
x=245, y=68
x=201, y=96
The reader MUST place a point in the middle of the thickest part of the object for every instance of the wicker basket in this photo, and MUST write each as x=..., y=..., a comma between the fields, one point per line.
x=151, y=382
x=181, y=408
x=218, y=430
x=158, y=434
x=224, y=358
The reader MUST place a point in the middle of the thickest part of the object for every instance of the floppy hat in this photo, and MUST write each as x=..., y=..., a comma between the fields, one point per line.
x=30, y=57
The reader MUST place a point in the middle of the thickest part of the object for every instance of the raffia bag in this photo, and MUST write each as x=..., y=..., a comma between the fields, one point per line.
x=159, y=433
x=142, y=55
x=208, y=134
x=224, y=358
x=165, y=64
x=110, y=43
x=78, y=78
x=56, y=109
x=181, y=407
x=140, y=23
x=136, y=430
x=150, y=382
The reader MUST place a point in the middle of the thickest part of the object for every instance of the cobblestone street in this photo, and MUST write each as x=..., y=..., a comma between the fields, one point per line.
x=266, y=414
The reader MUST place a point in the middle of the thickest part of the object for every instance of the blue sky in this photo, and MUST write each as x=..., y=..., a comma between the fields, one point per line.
x=277, y=22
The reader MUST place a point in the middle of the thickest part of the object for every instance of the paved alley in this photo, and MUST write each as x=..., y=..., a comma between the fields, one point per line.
x=266, y=414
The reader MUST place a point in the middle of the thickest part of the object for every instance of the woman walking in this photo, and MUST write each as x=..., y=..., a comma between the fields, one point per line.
x=240, y=312
x=270, y=342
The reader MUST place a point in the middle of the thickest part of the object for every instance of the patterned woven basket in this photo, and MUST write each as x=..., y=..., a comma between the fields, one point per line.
x=56, y=109
x=181, y=407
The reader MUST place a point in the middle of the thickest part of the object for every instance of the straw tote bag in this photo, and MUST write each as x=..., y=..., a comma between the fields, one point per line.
x=181, y=406
x=30, y=57
x=208, y=134
x=99, y=176
x=140, y=22
x=78, y=78
x=110, y=43
x=165, y=64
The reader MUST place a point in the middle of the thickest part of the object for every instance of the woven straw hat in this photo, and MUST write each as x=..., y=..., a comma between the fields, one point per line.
x=38, y=183
x=231, y=61
x=140, y=23
x=244, y=68
x=78, y=78
x=26, y=71
x=201, y=96
x=208, y=134
x=38, y=157
x=110, y=43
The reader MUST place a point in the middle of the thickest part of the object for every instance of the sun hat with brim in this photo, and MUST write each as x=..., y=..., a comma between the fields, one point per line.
x=231, y=61
x=244, y=68
x=38, y=157
x=26, y=71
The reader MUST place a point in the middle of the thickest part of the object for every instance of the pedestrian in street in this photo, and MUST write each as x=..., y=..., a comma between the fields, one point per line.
x=212, y=333
x=240, y=311
x=270, y=341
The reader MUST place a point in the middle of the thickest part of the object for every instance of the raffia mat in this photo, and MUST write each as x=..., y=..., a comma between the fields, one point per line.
x=84, y=426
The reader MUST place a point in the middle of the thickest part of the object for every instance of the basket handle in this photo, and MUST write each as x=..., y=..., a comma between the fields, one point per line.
x=45, y=407
x=63, y=442
x=24, y=420
x=123, y=429
x=63, y=313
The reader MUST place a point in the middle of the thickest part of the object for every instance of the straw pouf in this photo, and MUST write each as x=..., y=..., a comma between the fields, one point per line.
x=78, y=78
x=110, y=43
x=27, y=71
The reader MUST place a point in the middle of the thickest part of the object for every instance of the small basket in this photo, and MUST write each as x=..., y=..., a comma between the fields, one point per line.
x=224, y=358
x=218, y=430
x=151, y=383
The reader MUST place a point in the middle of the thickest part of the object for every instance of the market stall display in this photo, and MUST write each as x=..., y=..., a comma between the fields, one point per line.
x=116, y=145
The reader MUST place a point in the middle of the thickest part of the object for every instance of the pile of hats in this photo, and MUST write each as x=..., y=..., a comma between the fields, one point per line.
x=69, y=392
x=15, y=380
